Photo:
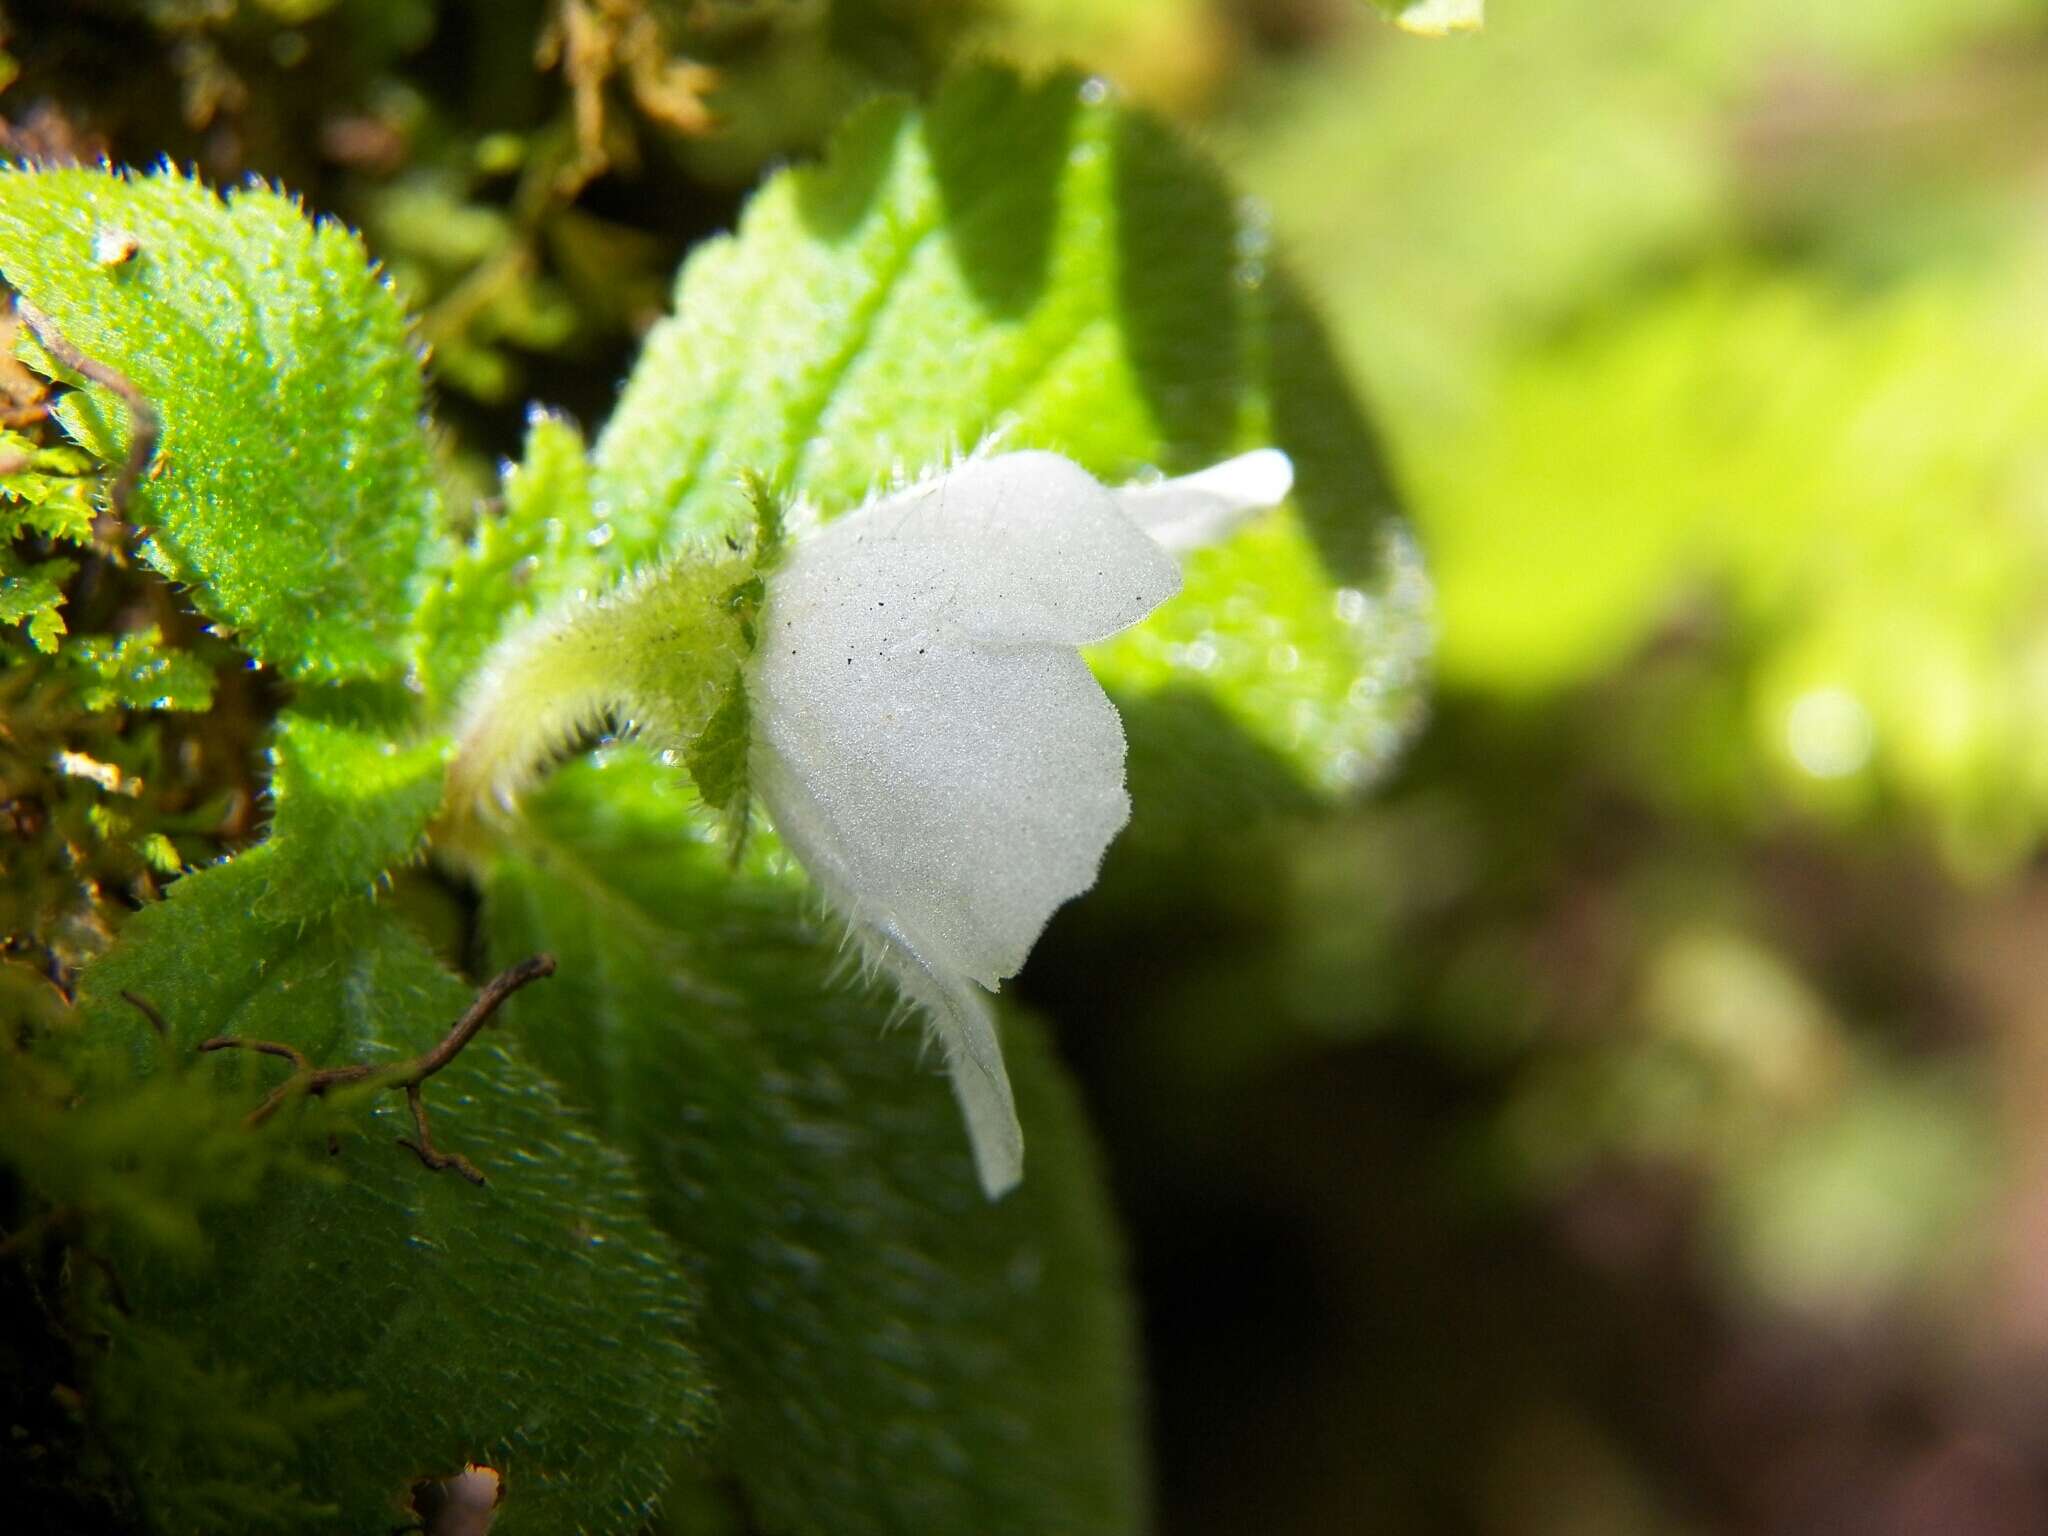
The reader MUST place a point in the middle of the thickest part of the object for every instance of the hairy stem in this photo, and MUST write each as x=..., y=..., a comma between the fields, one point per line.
x=653, y=656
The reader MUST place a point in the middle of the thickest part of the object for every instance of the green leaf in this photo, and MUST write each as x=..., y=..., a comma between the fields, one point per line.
x=352, y=805
x=537, y=1323
x=893, y=1352
x=31, y=592
x=717, y=760
x=1038, y=262
x=516, y=560
x=137, y=671
x=291, y=487
x=45, y=490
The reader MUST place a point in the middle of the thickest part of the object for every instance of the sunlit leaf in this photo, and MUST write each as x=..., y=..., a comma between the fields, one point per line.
x=1038, y=263
x=291, y=488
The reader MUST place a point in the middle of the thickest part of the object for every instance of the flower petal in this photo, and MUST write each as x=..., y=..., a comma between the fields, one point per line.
x=956, y=792
x=965, y=1027
x=928, y=740
x=1017, y=548
x=1205, y=508
x=954, y=1008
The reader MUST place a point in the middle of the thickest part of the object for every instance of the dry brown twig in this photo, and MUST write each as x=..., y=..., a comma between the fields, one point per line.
x=596, y=41
x=309, y=1081
x=145, y=428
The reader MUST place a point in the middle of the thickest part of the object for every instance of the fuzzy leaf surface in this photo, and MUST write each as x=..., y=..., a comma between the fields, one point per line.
x=537, y=1323
x=291, y=488
x=352, y=806
x=517, y=559
x=893, y=1352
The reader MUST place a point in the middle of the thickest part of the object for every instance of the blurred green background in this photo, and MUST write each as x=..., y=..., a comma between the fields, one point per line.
x=1633, y=1116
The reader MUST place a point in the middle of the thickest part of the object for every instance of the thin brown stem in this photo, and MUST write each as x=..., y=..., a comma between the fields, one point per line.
x=117, y=1293
x=144, y=425
x=261, y=1047
x=424, y=1147
x=488, y=1002
x=308, y=1081
x=141, y=1006
x=304, y=1079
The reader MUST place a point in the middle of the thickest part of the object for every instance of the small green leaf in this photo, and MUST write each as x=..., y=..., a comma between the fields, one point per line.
x=771, y=518
x=45, y=490
x=352, y=805
x=160, y=853
x=137, y=671
x=517, y=560
x=31, y=592
x=893, y=1352
x=291, y=486
x=717, y=760
x=576, y=1378
x=1035, y=261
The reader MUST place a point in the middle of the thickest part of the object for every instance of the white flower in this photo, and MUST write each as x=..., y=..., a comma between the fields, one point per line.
x=929, y=742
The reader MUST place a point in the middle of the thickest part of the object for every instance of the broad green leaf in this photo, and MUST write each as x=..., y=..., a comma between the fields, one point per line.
x=352, y=805
x=893, y=1352
x=537, y=1323
x=1035, y=261
x=291, y=487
